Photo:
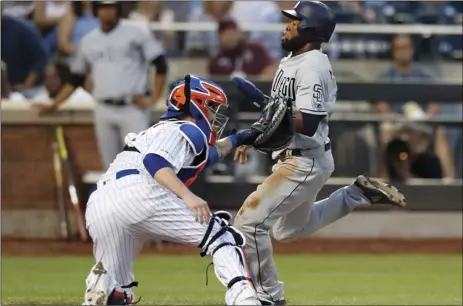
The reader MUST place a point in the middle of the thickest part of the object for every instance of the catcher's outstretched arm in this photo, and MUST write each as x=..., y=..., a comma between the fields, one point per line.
x=226, y=145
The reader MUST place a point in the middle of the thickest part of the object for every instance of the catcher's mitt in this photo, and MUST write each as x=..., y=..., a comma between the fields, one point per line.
x=276, y=126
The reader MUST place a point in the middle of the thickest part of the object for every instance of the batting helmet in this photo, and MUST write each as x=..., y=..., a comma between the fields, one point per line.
x=317, y=20
x=116, y=4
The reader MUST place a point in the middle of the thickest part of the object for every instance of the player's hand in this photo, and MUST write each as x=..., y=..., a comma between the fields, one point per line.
x=44, y=109
x=142, y=101
x=241, y=154
x=199, y=207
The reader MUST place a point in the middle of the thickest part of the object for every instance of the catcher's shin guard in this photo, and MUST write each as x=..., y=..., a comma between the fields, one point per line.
x=225, y=245
x=102, y=289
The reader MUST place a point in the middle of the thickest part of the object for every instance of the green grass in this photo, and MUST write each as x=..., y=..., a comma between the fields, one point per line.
x=320, y=279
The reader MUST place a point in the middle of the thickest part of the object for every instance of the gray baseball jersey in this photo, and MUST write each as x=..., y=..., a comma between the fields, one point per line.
x=284, y=202
x=118, y=61
x=308, y=80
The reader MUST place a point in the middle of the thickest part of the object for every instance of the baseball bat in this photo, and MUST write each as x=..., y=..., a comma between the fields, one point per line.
x=57, y=167
x=80, y=222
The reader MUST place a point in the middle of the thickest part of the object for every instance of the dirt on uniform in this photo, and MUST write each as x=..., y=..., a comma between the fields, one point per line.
x=35, y=248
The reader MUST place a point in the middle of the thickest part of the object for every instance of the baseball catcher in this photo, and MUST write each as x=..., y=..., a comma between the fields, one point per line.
x=144, y=195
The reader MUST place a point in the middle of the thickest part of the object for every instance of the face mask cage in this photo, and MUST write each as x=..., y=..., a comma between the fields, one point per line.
x=217, y=116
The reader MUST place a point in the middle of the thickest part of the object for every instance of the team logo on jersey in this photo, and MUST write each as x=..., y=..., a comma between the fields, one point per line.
x=284, y=86
x=317, y=96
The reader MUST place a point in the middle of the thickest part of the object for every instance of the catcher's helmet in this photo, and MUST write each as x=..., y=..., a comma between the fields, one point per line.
x=204, y=100
x=317, y=20
x=116, y=4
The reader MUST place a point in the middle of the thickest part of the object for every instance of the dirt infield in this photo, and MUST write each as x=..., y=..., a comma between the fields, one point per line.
x=306, y=246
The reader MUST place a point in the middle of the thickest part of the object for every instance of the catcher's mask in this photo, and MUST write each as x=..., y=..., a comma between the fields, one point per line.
x=204, y=100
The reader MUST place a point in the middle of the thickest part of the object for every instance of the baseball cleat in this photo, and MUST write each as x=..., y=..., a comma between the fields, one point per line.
x=267, y=302
x=94, y=295
x=380, y=193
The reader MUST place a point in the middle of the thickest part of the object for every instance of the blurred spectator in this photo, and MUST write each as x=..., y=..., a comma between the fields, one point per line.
x=404, y=69
x=154, y=11
x=410, y=155
x=6, y=91
x=24, y=53
x=47, y=14
x=19, y=9
x=79, y=21
x=200, y=43
x=260, y=12
x=56, y=74
x=435, y=12
x=237, y=55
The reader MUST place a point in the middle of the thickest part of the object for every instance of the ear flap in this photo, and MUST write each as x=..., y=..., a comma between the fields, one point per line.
x=187, y=90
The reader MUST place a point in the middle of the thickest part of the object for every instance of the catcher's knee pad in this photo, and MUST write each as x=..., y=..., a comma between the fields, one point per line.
x=102, y=289
x=225, y=236
x=224, y=216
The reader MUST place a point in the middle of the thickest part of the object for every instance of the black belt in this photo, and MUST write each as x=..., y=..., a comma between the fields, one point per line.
x=130, y=149
x=300, y=152
x=114, y=102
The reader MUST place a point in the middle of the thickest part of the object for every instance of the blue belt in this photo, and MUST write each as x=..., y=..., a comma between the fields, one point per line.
x=119, y=175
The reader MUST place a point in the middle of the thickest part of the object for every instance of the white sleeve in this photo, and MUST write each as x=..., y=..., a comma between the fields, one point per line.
x=310, y=95
x=150, y=46
x=172, y=146
x=79, y=65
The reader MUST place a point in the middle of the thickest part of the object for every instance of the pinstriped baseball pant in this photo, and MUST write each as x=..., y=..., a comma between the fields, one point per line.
x=123, y=214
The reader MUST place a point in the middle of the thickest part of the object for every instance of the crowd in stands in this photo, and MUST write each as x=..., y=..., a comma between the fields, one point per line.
x=40, y=40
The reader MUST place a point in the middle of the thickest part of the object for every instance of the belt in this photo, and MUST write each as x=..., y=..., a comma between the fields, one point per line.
x=300, y=152
x=114, y=102
x=119, y=175
x=130, y=149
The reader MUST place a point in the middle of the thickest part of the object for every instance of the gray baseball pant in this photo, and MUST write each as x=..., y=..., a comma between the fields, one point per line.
x=113, y=123
x=285, y=203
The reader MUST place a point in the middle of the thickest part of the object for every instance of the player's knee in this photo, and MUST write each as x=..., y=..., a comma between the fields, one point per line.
x=243, y=226
x=284, y=236
x=219, y=234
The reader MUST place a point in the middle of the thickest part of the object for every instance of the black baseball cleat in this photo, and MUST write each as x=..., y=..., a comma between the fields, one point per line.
x=380, y=193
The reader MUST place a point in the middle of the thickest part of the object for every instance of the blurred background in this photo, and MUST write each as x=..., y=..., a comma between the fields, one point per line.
x=398, y=116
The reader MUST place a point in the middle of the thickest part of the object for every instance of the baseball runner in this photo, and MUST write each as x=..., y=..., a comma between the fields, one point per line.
x=144, y=195
x=285, y=201
x=117, y=55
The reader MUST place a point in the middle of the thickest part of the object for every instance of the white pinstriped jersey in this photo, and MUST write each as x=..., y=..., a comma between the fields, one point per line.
x=307, y=80
x=180, y=143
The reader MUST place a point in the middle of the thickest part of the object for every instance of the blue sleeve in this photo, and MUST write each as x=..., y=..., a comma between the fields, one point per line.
x=36, y=48
x=213, y=157
x=153, y=163
x=310, y=123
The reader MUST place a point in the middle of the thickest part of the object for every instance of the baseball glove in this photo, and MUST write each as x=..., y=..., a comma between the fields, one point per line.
x=276, y=124
x=276, y=127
